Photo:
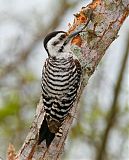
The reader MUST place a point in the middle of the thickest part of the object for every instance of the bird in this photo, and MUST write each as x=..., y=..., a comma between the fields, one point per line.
x=60, y=82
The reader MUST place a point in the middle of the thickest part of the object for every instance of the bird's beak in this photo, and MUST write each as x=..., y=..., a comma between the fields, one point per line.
x=71, y=36
x=75, y=33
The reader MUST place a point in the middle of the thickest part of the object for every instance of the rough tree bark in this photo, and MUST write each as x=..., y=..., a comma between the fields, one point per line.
x=106, y=18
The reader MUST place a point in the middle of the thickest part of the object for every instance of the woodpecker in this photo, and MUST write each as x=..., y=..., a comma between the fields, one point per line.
x=60, y=82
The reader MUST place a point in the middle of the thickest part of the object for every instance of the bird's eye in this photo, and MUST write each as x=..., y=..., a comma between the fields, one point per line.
x=55, y=43
x=62, y=36
x=61, y=49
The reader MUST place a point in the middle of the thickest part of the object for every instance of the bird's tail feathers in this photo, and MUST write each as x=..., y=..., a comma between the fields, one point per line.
x=45, y=134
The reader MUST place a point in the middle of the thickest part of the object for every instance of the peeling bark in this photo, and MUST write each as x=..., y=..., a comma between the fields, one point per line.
x=106, y=18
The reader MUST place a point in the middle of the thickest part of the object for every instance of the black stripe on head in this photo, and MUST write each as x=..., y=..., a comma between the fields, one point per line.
x=49, y=36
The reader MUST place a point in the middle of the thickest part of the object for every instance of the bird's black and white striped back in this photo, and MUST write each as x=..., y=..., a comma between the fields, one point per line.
x=60, y=82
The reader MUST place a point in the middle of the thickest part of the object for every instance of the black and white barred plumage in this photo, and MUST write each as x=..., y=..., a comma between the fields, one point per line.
x=60, y=82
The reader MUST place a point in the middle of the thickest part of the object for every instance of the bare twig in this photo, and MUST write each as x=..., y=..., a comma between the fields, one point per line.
x=114, y=107
x=100, y=33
